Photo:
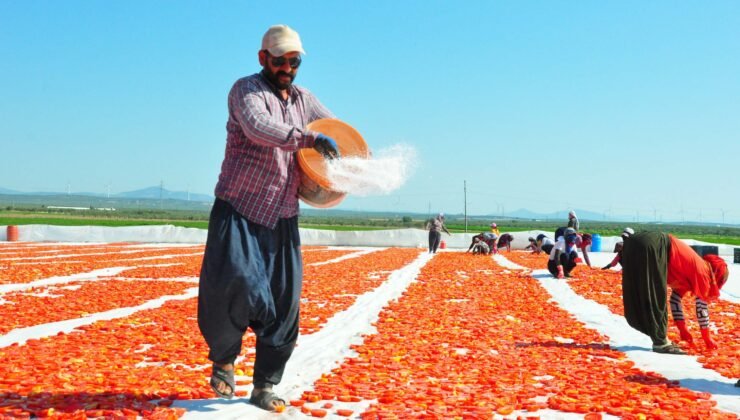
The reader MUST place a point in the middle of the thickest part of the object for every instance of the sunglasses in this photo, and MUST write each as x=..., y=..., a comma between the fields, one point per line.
x=294, y=62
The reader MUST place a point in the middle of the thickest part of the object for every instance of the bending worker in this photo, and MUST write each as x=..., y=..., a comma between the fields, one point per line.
x=486, y=238
x=504, y=241
x=652, y=261
x=479, y=246
x=626, y=233
x=582, y=242
x=544, y=244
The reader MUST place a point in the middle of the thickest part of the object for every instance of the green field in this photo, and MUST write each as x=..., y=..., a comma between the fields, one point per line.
x=190, y=219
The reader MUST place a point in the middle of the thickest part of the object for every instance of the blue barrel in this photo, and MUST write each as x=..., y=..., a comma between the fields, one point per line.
x=595, y=242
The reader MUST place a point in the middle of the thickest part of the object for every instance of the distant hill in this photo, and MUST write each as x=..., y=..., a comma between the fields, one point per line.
x=147, y=198
x=518, y=214
x=144, y=193
x=561, y=215
x=162, y=193
x=163, y=199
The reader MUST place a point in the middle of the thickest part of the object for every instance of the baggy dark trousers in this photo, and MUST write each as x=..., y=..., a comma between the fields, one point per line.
x=568, y=261
x=251, y=277
x=644, y=283
x=435, y=238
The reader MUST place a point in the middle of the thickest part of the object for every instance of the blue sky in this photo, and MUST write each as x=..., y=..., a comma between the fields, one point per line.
x=620, y=107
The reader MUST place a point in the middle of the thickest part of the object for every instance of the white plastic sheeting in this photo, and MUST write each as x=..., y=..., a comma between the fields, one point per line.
x=379, y=238
x=153, y=233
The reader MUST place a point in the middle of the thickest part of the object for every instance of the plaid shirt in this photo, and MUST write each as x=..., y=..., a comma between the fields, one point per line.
x=259, y=175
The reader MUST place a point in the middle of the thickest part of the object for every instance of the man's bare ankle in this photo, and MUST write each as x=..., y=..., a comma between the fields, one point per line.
x=257, y=391
x=225, y=366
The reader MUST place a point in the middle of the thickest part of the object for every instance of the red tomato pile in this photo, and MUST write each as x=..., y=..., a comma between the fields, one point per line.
x=174, y=267
x=311, y=256
x=332, y=288
x=137, y=365
x=42, y=305
x=28, y=264
x=468, y=339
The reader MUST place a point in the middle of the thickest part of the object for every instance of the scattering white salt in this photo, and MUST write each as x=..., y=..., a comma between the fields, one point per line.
x=386, y=171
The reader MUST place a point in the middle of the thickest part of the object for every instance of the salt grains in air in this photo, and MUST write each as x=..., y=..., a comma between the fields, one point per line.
x=381, y=174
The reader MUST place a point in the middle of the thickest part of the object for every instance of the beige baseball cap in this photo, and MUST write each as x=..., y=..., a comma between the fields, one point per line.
x=280, y=40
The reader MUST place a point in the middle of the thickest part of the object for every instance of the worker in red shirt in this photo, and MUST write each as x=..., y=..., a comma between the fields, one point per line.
x=653, y=261
x=583, y=240
x=617, y=258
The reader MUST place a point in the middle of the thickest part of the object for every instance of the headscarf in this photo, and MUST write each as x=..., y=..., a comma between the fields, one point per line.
x=719, y=268
x=587, y=239
x=627, y=232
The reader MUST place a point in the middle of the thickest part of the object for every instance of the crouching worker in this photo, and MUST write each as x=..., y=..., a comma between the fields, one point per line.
x=652, y=261
x=479, y=246
x=544, y=244
x=563, y=255
x=487, y=239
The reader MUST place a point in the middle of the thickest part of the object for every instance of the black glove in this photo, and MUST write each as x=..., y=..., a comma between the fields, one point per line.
x=326, y=146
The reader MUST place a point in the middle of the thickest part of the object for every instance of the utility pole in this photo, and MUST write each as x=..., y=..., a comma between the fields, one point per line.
x=465, y=196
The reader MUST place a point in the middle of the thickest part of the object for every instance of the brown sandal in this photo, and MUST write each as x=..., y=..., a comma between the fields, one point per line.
x=219, y=374
x=266, y=400
x=669, y=348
